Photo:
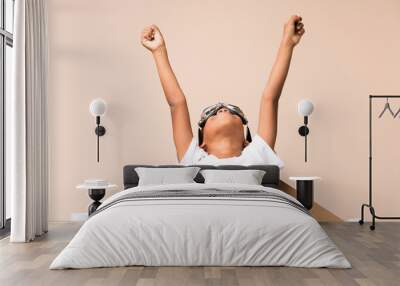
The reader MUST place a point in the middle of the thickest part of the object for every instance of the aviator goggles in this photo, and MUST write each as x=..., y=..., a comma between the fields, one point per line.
x=213, y=109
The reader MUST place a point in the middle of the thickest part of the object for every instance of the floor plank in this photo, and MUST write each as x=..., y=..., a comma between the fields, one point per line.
x=375, y=257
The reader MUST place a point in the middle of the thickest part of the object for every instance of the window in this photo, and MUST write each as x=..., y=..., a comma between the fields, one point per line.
x=6, y=57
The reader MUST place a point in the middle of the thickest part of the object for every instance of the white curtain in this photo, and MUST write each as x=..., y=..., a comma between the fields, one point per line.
x=26, y=127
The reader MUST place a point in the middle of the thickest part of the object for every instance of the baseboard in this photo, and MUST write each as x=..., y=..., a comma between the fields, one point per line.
x=355, y=220
x=79, y=217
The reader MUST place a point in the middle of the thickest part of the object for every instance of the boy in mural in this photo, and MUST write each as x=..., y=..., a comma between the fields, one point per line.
x=221, y=139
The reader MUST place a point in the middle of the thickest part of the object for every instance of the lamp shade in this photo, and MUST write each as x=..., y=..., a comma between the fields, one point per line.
x=305, y=107
x=98, y=107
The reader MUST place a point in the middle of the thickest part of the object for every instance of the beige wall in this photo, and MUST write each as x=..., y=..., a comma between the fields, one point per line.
x=223, y=50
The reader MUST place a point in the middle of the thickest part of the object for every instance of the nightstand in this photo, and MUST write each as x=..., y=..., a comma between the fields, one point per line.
x=305, y=190
x=96, y=190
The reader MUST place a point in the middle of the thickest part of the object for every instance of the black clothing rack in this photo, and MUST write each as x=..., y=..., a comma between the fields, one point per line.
x=369, y=205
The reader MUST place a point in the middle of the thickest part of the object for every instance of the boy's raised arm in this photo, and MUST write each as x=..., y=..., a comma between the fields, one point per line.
x=268, y=118
x=153, y=40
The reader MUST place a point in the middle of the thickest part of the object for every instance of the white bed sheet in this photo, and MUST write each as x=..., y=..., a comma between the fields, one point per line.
x=200, y=231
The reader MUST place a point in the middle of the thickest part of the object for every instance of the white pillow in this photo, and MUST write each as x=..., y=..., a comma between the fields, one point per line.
x=162, y=176
x=249, y=177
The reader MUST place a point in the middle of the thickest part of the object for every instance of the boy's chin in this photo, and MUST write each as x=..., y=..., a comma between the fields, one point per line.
x=225, y=120
x=225, y=128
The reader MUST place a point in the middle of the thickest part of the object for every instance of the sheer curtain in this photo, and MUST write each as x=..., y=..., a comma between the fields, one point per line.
x=26, y=119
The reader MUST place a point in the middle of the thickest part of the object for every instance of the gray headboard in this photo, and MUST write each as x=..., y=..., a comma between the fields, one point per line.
x=271, y=177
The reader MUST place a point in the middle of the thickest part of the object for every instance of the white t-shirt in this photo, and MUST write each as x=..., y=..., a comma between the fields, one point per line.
x=257, y=152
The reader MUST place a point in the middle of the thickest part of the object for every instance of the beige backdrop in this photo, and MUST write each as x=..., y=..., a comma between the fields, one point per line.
x=223, y=50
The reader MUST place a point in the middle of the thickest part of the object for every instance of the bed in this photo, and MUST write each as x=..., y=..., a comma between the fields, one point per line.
x=198, y=224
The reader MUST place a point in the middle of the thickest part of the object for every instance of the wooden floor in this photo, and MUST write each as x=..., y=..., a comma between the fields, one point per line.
x=375, y=257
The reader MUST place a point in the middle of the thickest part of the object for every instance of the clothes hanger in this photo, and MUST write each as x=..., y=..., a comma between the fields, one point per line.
x=387, y=107
x=397, y=113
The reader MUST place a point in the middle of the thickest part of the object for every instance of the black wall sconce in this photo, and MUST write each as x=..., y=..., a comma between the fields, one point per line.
x=98, y=108
x=305, y=108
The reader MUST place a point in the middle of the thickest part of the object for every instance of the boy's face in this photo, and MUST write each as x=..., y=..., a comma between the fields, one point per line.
x=223, y=123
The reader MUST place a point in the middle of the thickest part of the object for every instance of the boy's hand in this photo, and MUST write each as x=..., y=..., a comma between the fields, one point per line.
x=151, y=38
x=293, y=31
